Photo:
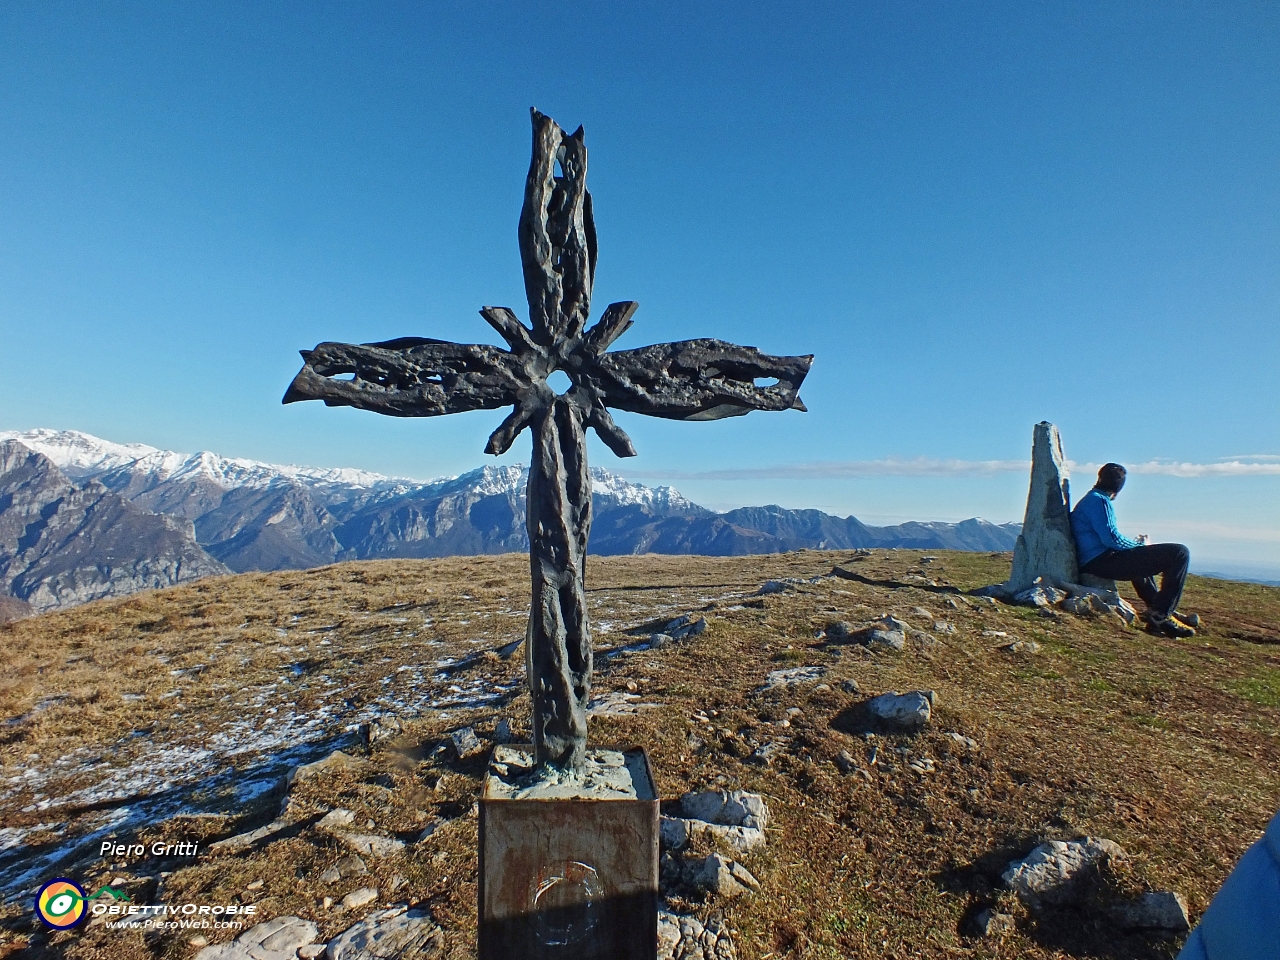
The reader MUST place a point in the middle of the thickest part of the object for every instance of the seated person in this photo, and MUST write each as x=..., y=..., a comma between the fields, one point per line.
x=1102, y=552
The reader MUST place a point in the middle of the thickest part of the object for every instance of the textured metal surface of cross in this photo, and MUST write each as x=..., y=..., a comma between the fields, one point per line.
x=687, y=380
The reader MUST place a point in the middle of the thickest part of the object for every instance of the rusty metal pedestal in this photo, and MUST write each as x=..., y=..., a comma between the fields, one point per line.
x=568, y=877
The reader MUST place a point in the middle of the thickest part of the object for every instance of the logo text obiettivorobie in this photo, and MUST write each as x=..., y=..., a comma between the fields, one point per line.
x=63, y=904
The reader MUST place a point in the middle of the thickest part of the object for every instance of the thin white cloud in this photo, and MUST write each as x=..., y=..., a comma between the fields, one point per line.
x=1186, y=529
x=1175, y=468
x=847, y=470
x=1258, y=465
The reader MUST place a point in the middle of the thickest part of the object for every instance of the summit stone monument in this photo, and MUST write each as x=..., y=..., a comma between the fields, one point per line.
x=1045, y=547
x=1045, y=571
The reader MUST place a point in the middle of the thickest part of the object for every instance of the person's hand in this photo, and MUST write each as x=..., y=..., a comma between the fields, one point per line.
x=1142, y=538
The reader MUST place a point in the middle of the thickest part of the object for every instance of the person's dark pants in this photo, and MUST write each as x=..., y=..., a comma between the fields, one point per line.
x=1141, y=566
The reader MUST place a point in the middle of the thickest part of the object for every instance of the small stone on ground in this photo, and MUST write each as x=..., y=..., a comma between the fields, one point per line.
x=906, y=711
x=465, y=743
x=1021, y=646
x=795, y=677
x=371, y=845
x=719, y=875
x=348, y=866
x=1159, y=910
x=989, y=923
x=358, y=898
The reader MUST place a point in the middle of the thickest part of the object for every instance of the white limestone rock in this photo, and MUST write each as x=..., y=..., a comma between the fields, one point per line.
x=358, y=898
x=1040, y=594
x=683, y=937
x=734, y=818
x=791, y=678
x=720, y=876
x=735, y=808
x=902, y=711
x=465, y=743
x=1050, y=873
x=278, y=939
x=399, y=933
x=348, y=866
x=372, y=845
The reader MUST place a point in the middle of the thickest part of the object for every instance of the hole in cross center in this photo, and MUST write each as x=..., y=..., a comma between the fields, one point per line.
x=560, y=382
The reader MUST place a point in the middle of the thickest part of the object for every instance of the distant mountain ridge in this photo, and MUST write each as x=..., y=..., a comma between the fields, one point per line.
x=63, y=543
x=249, y=515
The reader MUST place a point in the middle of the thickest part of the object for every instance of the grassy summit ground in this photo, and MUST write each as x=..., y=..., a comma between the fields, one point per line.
x=170, y=716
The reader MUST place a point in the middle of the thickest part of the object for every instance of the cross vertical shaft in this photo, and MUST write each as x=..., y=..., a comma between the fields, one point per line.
x=558, y=652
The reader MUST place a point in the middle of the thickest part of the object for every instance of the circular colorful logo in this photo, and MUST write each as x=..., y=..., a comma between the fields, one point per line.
x=61, y=903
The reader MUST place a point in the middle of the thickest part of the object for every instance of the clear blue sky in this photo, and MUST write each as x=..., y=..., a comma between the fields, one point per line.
x=976, y=215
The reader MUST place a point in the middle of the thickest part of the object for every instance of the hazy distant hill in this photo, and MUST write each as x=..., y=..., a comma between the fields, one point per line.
x=256, y=516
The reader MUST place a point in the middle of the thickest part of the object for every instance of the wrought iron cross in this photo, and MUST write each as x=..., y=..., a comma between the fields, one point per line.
x=688, y=380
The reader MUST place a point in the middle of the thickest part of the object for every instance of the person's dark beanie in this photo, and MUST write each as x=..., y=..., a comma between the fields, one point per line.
x=1111, y=477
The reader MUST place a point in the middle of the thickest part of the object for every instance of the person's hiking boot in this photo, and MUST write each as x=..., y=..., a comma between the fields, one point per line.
x=1168, y=626
x=1191, y=620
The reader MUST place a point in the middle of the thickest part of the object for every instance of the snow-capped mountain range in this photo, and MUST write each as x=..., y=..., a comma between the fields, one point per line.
x=248, y=515
x=80, y=455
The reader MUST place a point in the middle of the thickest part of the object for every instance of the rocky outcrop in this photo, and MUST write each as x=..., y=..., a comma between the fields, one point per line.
x=736, y=819
x=63, y=544
x=685, y=937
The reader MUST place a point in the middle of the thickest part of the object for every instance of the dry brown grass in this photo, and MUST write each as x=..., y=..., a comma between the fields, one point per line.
x=1168, y=747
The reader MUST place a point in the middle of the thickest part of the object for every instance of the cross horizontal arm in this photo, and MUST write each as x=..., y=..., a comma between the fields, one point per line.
x=410, y=377
x=698, y=380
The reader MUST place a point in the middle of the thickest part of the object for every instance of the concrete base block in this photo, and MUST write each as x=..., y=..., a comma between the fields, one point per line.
x=568, y=877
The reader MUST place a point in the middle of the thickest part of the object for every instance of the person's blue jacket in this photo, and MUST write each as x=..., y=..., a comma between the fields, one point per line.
x=1093, y=524
x=1243, y=921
